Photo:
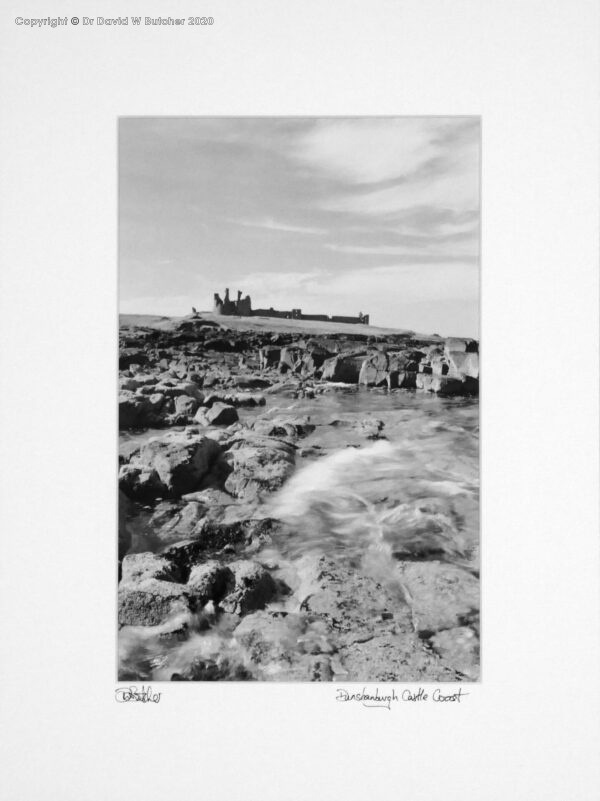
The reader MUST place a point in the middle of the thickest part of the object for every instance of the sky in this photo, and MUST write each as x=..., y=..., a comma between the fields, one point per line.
x=331, y=215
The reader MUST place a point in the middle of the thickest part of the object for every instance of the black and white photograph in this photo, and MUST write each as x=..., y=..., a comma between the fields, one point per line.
x=298, y=399
x=299, y=371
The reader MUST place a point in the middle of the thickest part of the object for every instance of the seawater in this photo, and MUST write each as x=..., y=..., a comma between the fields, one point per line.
x=411, y=494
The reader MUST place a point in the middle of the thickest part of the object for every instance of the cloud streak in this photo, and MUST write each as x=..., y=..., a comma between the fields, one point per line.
x=269, y=224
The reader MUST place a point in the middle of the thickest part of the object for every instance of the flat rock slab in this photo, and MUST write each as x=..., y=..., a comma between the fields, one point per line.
x=443, y=596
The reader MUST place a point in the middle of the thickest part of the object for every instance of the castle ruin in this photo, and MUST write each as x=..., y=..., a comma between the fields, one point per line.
x=242, y=307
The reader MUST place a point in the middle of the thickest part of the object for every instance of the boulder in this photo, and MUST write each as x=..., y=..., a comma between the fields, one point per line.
x=283, y=427
x=140, y=484
x=345, y=369
x=133, y=410
x=268, y=357
x=150, y=602
x=142, y=381
x=138, y=567
x=257, y=464
x=219, y=414
x=463, y=364
x=374, y=370
x=237, y=399
x=441, y=384
x=210, y=582
x=177, y=390
x=403, y=380
x=213, y=538
x=184, y=404
x=174, y=521
x=171, y=467
x=290, y=360
x=190, y=389
x=253, y=588
x=127, y=383
x=156, y=401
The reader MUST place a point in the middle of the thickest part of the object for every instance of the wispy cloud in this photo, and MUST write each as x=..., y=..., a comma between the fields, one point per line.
x=417, y=249
x=387, y=167
x=269, y=224
x=367, y=150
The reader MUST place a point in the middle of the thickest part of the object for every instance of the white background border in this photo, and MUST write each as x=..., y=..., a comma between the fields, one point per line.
x=530, y=69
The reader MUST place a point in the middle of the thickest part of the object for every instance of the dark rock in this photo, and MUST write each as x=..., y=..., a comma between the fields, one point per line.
x=441, y=384
x=251, y=382
x=151, y=602
x=404, y=380
x=211, y=537
x=220, y=414
x=168, y=467
x=258, y=464
x=290, y=360
x=174, y=521
x=237, y=399
x=345, y=369
x=138, y=567
x=254, y=587
x=133, y=410
x=139, y=484
x=202, y=669
x=210, y=582
x=186, y=405
x=129, y=356
x=283, y=427
x=268, y=357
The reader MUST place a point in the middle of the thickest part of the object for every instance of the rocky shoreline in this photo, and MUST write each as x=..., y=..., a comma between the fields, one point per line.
x=206, y=591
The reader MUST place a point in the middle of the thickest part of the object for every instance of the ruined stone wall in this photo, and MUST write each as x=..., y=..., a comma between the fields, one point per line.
x=287, y=315
x=243, y=308
x=340, y=319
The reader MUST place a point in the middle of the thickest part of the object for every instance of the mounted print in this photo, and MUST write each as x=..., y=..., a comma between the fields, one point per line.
x=298, y=399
